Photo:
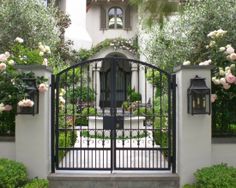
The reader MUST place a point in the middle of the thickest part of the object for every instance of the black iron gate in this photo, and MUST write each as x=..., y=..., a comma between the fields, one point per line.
x=135, y=130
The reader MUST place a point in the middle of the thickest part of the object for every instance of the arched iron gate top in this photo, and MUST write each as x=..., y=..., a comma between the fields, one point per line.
x=115, y=59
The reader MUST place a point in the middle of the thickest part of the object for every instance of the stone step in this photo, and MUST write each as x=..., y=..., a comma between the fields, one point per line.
x=114, y=180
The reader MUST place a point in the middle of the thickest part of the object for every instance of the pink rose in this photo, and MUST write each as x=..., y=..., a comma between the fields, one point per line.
x=42, y=88
x=213, y=97
x=3, y=57
x=232, y=56
x=230, y=78
x=226, y=86
x=8, y=107
x=2, y=66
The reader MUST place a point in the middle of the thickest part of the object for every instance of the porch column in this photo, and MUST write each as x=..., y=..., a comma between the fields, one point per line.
x=134, y=77
x=142, y=81
x=97, y=84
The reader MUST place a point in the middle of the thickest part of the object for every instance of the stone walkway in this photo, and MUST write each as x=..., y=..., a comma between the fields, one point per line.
x=132, y=153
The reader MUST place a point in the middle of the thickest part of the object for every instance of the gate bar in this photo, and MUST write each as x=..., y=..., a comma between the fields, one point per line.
x=174, y=85
x=52, y=124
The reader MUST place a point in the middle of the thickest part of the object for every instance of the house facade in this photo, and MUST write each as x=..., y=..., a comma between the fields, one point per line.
x=94, y=21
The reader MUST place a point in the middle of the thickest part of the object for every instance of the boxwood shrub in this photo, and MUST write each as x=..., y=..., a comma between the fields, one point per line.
x=12, y=174
x=37, y=183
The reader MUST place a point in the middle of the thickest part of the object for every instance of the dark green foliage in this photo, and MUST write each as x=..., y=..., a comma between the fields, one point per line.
x=216, y=176
x=142, y=111
x=66, y=140
x=133, y=95
x=83, y=117
x=155, y=11
x=12, y=174
x=37, y=183
x=81, y=94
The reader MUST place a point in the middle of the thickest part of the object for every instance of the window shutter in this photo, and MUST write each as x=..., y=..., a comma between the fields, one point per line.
x=127, y=18
x=103, y=18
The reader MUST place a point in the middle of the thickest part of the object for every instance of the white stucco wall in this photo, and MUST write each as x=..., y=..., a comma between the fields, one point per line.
x=98, y=35
x=224, y=153
x=8, y=150
x=77, y=32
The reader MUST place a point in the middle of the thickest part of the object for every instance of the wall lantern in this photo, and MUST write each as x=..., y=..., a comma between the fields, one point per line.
x=33, y=95
x=199, y=97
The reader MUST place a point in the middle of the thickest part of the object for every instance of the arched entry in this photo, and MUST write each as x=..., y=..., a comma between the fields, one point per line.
x=123, y=81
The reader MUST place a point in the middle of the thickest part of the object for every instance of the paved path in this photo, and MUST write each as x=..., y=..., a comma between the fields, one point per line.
x=91, y=153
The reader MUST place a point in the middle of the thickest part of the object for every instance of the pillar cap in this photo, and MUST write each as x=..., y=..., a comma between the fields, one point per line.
x=194, y=67
x=33, y=67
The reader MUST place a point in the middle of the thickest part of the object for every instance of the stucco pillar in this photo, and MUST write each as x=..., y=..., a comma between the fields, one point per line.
x=134, y=77
x=77, y=31
x=32, y=133
x=97, y=85
x=193, y=131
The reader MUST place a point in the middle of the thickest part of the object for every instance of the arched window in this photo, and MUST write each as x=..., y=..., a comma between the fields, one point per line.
x=115, y=18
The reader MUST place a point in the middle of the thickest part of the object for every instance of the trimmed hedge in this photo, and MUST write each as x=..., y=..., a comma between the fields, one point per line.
x=12, y=174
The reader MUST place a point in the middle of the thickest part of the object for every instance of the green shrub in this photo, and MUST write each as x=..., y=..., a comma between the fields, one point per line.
x=83, y=117
x=147, y=112
x=83, y=94
x=12, y=174
x=216, y=176
x=66, y=139
x=37, y=183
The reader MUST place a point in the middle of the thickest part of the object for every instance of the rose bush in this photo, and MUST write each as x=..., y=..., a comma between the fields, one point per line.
x=12, y=87
x=221, y=54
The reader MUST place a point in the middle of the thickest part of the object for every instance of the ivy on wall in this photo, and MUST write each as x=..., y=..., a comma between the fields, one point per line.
x=130, y=45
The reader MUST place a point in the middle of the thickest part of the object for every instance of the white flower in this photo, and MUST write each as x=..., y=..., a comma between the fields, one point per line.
x=223, y=81
x=229, y=49
x=222, y=49
x=222, y=72
x=45, y=62
x=18, y=39
x=62, y=100
x=11, y=62
x=41, y=53
x=212, y=43
x=42, y=48
x=186, y=63
x=2, y=107
x=204, y=63
x=62, y=92
x=7, y=54
x=216, y=81
x=26, y=103
x=47, y=49
x=232, y=66
x=2, y=67
x=3, y=57
x=226, y=86
x=213, y=97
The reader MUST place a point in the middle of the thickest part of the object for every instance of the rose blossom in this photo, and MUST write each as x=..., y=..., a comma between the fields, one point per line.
x=26, y=103
x=230, y=78
x=11, y=62
x=18, y=39
x=222, y=49
x=2, y=66
x=223, y=81
x=232, y=56
x=226, y=86
x=229, y=49
x=45, y=62
x=42, y=88
x=8, y=107
x=213, y=97
x=3, y=57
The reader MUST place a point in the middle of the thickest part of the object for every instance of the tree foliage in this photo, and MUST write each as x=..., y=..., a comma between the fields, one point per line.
x=154, y=11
